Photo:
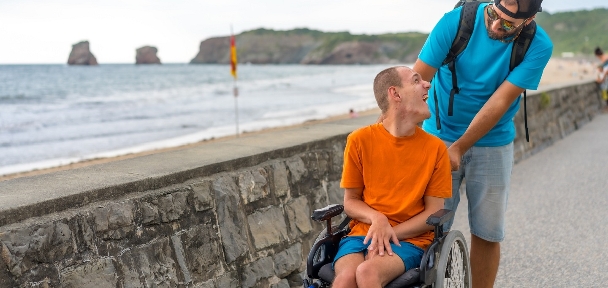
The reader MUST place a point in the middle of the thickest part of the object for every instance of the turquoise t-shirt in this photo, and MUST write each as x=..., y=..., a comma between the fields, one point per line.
x=481, y=68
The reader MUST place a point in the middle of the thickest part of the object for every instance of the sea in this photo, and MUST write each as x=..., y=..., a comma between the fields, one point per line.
x=53, y=115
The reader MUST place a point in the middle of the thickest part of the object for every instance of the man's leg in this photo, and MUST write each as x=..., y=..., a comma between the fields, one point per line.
x=485, y=257
x=345, y=269
x=378, y=271
x=487, y=183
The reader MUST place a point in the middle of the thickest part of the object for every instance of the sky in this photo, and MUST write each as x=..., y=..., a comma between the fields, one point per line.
x=43, y=31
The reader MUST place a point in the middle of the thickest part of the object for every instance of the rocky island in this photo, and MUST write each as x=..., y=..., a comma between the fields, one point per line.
x=81, y=54
x=146, y=55
x=305, y=46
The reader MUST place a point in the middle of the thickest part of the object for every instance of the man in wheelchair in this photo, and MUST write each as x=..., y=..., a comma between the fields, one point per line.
x=395, y=176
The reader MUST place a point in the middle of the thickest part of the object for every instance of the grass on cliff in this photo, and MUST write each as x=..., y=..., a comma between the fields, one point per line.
x=577, y=31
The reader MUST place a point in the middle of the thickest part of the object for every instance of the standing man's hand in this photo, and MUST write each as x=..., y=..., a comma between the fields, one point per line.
x=380, y=234
x=455, y=157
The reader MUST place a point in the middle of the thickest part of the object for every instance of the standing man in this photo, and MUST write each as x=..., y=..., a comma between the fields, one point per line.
x=480, y=132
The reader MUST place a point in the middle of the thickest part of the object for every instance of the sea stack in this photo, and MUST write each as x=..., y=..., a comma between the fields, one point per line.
x=81, y=55
x=146, y=55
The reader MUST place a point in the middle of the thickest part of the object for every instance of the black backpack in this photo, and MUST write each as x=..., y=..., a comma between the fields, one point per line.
x=465, y=30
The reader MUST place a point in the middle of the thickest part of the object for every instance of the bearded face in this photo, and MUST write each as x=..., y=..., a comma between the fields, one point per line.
x=501, y=34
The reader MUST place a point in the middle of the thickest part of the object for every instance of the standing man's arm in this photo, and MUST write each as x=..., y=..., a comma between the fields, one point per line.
x=484, y=121
x=425, y=70
x=380, y=232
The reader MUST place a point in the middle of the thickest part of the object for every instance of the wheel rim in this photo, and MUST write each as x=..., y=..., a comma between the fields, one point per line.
x=455, y=274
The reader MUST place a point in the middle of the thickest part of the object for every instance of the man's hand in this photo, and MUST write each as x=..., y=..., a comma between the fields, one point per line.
x=455, y=157
x=380, y=233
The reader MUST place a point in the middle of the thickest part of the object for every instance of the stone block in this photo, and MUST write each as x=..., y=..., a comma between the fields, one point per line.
x=298, y=214
x=201, y=195
x=202, y=252
x=228, y=280
x=320, y=198
x=280, y=179
x=14, y=245
x=295, y=279
x=23, y=249
x=255, y=271
x=283, y=283
x=43, y=275
x=99, y=273
x=206, y=284
x=317, y=164
x=51, y=242
x=335, y=193
x=230, y=219
x=337, y=160
x=83, y=234
x=150, y=265
x=172, y=207
x=297, y=168
x=287, y=261
x=267, y=227
x=149, y=213
x=6, y=278
x=253, y=185
x=114, y=221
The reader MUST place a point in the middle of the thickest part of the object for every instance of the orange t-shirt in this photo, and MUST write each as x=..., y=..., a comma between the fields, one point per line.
x=396, y=173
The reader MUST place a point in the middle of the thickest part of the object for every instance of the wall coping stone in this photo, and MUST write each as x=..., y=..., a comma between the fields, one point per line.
x=28, y=197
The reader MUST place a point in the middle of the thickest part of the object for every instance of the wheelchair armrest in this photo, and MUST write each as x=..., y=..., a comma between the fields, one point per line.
x=327, y=212
x=440, y=217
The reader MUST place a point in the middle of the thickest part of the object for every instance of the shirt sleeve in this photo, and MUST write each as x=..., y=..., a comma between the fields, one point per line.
x=439, y=42
x=352, y=171
x=527, y=75
x=440, y=184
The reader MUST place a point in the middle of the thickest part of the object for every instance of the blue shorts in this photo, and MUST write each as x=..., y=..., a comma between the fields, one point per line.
x=408, y=252
x=486, y=172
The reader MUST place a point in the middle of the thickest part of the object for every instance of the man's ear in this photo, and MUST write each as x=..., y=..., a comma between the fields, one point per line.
x=393, y=94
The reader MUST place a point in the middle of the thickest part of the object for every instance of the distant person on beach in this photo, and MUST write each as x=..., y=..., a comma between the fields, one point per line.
x=395, y=176
x=602, y=81
x=602, y=75
x=353, y=114
x=476, y=122
x=601, y=56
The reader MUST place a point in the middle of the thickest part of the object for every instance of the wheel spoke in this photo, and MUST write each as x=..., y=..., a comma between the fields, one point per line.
x=455, y=272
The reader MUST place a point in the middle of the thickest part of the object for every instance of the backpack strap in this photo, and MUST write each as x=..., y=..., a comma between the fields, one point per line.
x=465, y=30
x=520, y=47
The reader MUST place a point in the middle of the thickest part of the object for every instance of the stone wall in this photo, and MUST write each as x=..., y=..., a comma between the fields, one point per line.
x=247, y=227
x=230, y=214
x=553, y=113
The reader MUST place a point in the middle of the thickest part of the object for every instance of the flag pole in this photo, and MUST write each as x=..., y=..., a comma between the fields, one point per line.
x=235, y=89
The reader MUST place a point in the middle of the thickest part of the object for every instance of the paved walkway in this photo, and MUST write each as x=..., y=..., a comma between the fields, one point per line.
x=557, y=231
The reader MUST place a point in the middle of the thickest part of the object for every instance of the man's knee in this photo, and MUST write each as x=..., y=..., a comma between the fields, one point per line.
x=344, y=278
x=367, y=274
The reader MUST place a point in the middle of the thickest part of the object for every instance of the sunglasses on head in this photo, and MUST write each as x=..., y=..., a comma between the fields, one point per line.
x=505, y=24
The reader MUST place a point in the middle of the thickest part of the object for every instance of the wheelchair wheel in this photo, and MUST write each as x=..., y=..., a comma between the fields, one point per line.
x=453, y=267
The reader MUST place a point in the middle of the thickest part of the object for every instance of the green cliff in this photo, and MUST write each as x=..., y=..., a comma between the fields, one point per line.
x=305, y=46
x=578, y=32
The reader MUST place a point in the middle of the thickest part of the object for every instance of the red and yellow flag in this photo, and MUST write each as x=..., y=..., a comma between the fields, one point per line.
x=233, y=56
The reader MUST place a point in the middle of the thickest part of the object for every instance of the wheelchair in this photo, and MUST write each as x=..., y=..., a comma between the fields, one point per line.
x=445, y=263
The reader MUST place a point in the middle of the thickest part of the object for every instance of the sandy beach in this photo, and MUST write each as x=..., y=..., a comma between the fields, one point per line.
x=558, y=70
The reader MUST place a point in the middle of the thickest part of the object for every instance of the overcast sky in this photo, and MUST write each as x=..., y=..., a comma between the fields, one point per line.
x=43, y=31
